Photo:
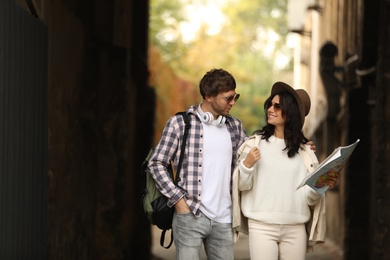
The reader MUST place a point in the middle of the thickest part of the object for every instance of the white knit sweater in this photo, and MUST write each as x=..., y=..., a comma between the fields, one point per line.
x=268, y=189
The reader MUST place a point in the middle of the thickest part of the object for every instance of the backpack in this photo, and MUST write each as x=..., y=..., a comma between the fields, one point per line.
x=153, y=202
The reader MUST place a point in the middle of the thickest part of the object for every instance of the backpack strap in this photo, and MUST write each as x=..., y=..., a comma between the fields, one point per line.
x=187, y=122
x=162, y=238
x=187, y=119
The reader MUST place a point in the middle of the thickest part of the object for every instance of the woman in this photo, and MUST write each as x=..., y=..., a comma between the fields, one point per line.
x=271, y=165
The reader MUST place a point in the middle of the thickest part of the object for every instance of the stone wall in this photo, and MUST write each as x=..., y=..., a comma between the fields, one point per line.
x=97, y=72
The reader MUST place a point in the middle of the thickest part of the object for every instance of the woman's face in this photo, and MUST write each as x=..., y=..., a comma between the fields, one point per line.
x=274, y=112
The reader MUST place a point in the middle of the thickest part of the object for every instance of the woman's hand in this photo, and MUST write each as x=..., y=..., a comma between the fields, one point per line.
x=312, y=146
x=252, y=157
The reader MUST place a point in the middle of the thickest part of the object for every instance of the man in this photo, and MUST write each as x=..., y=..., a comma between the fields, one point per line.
x=202, y=198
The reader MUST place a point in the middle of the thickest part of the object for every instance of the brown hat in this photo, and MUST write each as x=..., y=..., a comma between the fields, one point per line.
x=300, y=96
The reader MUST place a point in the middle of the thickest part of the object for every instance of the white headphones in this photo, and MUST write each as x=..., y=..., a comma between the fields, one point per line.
x=208, y=118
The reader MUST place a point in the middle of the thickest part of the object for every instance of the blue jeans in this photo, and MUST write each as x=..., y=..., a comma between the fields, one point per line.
x=189, y=232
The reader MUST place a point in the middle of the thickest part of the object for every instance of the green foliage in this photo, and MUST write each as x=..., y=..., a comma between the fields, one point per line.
x=247, y=45
x=164, y=20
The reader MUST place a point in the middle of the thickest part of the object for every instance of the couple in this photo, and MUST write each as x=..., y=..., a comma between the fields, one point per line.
x=267, y=168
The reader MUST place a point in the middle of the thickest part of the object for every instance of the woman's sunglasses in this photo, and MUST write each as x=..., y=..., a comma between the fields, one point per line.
x=276, y=106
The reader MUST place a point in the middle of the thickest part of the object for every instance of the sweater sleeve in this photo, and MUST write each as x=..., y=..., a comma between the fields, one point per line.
x=245, y=176
x=312, y=197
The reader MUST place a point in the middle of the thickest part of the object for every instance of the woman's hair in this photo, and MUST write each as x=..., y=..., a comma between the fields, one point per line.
x=293, y=135
x=216, y=81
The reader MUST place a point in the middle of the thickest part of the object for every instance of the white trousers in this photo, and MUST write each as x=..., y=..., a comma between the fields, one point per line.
x=277, y=242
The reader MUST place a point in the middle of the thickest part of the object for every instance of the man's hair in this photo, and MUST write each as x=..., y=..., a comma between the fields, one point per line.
x=216, y=81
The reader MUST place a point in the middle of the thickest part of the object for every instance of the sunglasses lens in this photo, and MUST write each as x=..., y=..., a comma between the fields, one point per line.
x=276, y=106
x=235, y=98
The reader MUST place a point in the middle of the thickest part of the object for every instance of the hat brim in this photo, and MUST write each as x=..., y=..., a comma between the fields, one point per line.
x=300, y=96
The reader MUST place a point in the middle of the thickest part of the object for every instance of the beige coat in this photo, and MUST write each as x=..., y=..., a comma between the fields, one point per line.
x=315, y=227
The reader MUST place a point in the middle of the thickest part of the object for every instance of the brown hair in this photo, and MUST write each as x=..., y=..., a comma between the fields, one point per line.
x=216, y=81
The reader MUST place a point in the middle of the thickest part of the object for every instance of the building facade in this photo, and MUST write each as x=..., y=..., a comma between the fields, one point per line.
x=342, y=60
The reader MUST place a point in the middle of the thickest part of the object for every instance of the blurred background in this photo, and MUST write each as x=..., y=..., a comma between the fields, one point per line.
x=87, y=86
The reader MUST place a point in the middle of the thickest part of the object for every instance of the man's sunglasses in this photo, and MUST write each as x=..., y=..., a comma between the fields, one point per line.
x=229, y=99
x=276, y=106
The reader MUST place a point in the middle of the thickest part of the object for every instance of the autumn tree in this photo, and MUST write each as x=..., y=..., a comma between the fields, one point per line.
x=249, y=43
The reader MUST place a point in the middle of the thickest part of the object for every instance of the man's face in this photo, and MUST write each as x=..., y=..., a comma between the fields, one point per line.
x=223, y=102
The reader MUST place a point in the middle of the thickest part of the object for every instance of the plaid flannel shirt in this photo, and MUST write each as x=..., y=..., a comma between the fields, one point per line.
x=190, y=178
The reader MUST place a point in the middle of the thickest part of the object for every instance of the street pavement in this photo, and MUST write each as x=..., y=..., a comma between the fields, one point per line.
x=325, y=251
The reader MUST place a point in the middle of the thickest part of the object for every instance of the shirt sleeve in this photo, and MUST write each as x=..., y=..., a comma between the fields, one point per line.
x=311, y=163
x=164, y=152
x=243, y=136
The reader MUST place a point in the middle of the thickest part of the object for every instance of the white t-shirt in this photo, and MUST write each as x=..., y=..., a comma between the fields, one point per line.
x=217, y=157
